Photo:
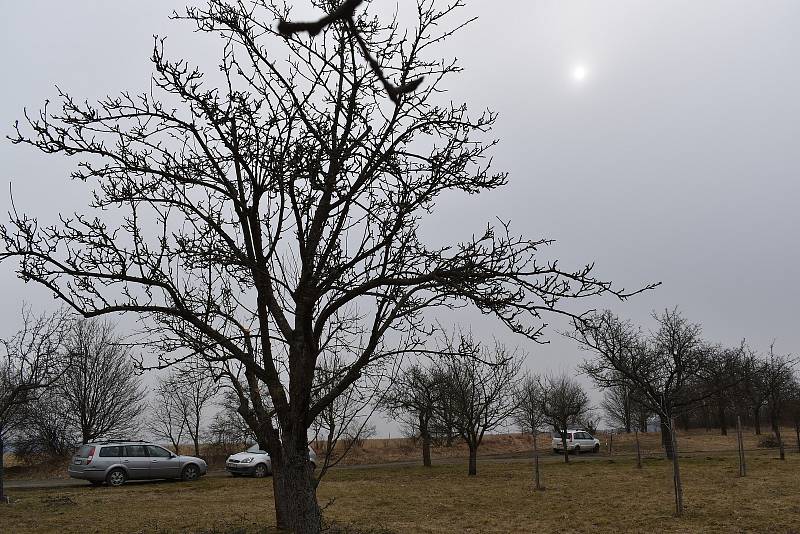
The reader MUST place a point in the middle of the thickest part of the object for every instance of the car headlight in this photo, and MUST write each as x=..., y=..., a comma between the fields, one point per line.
x=247, y=460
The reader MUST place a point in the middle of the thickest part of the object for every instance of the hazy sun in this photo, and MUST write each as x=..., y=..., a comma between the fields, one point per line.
x=579, y=73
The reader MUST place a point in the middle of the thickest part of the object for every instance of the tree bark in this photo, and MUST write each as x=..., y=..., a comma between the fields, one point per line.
x=566, y=452
x=426, y=442
x=296, y=508
x=676, y=474
x=666, y=439
x=537, y=480
x=723, y=426
x=638, y=452
x=473, y=460
x=757, y=420
x=777, y=430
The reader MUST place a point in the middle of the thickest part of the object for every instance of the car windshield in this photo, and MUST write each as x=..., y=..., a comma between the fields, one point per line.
x=254, y=449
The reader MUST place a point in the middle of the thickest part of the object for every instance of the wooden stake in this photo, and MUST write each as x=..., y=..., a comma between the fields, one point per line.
x=740, y=440
x=638, y=450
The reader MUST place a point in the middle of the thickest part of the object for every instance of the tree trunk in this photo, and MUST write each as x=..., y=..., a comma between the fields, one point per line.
x=538, y=483
x=638, y=452
x=296, y=508
x=426, y=442
x=757, y=420
x=676, y=473
x=723, y=427
x=2, y=467
x=566, y=452
x=797, y=432
x=196, y=440
x=473, y=460
x=666, y=439
x=777, y=430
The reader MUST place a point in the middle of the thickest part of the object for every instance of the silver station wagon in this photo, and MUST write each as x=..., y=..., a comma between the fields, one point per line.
x=115, y=462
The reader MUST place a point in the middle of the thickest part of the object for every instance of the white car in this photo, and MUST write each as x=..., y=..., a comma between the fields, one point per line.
x=256, y=462
x=577, y=441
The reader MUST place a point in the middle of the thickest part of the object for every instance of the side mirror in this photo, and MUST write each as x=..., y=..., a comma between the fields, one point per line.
x=172, y=455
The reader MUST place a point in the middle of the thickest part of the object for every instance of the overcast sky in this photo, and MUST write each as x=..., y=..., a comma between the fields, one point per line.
x=659, y=139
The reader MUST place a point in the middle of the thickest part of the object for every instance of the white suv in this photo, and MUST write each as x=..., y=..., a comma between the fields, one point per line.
x=577, y=441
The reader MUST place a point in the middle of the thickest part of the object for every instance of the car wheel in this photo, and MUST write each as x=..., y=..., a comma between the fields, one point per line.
x=190, y=472
x=116, y=478
x=596, y=448
x=260, y=471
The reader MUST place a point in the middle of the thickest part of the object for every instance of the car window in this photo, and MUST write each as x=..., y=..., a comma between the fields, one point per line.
x=136, y=451
x=84, y=451
x=589, y=436
x=580, y=435
x=158, y=452
x=255, y=450
x=111, y=451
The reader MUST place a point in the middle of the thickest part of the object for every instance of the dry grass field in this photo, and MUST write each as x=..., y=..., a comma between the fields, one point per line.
x=594, y=494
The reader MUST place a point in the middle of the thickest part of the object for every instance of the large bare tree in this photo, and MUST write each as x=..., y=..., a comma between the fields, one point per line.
x=100, y=391
x=269, y=212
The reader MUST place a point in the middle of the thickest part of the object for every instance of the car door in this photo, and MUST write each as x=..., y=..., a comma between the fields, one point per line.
x=581, y=441
x=163, y=464
x=136, y=461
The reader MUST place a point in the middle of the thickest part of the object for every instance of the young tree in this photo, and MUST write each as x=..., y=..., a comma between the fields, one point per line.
x=479, y=386
x=32, y=360
x=619, y=407
x=563, y=403
x=287, y=200
x=101, y=391
x=412, y=399
x=528, y=417
x=778, y=382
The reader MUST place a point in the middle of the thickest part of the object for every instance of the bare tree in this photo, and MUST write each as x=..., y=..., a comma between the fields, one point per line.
x=196, y=391
x=778, y=381
x=287, y=201
x=563, y=403
x=412, y=399
x=100, y=388
x=619, y=406
x=344, y=422
x=479, y=384
x=228, y=429
x=529, y=417
x=168, y=418
x=662, y=369
x=32, y=360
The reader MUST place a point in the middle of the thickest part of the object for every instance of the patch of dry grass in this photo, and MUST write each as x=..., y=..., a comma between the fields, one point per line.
x=594, y=495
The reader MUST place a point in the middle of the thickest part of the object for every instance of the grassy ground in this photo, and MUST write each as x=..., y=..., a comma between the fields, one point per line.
x=604, y=495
